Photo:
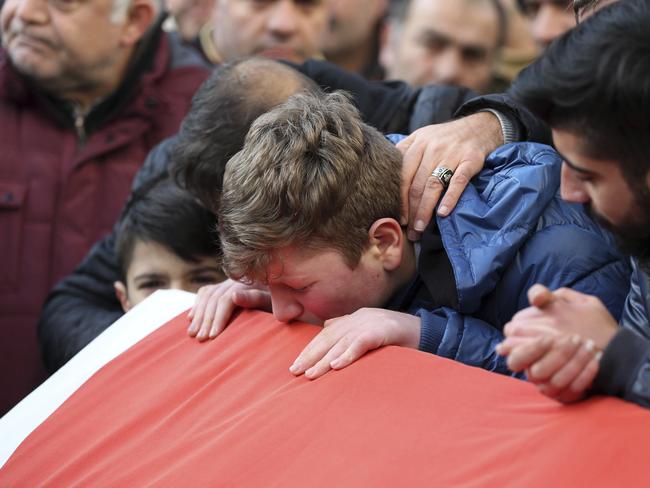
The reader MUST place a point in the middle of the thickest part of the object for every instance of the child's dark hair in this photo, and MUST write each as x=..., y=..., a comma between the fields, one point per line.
x=163, y=213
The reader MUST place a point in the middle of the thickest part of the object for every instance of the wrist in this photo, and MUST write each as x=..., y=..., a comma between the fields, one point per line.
x=486, y=128
x=508, y=130
x=408, y=327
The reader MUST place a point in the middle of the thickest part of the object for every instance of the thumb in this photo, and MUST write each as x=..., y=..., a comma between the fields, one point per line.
x=539, y=296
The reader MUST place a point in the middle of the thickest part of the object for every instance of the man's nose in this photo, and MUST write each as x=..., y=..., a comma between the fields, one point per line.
x=285, y=307
x=448, y=68
x=571, y=188
x=283, y=19
x=32, y=11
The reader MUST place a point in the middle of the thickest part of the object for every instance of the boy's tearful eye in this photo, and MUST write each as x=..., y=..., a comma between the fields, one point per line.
x=300, y=289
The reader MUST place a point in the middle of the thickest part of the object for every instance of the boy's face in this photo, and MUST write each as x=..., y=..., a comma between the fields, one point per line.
x=155, y=267
x=314, y=286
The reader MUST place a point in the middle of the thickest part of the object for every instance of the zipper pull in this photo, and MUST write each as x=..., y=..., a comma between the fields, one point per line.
x=79, y=125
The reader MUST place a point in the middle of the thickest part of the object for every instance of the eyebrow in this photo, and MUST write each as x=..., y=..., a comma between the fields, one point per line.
x=149, y=276
x=430, y=35
x=202, y=269
x=575, y=168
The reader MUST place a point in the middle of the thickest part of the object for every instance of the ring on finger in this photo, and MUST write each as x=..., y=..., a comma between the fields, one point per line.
x=443, y=175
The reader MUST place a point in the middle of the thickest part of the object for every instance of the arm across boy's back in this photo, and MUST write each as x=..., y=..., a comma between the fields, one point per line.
x=80, y=307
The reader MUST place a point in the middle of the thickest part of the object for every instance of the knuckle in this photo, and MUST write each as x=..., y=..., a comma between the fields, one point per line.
x=433, y=183
x=460, y=177
x=558, y=382
x=415, y=191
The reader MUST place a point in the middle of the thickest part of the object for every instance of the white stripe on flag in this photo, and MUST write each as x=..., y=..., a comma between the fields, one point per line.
x=146, y=317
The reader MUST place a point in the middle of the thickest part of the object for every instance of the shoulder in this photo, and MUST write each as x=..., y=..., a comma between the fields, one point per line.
x=177, y=65
x=435, y=104
x=183, y=54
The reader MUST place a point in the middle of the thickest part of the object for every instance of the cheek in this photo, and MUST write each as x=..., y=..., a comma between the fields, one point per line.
x=331, y=305
x=136, y=296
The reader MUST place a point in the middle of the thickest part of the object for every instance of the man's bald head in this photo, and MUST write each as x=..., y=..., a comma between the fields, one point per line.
x=222, y=111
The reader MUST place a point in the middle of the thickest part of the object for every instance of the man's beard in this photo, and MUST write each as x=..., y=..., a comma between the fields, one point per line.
x=633, y=235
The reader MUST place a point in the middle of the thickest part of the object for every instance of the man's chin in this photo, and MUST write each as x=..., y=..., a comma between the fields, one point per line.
x=281, y=53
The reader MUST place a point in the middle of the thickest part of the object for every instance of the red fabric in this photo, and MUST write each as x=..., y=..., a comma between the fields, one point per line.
x=173, y=412
x=58, y=197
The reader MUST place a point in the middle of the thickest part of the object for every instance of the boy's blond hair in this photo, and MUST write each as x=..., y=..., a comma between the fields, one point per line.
x=311, y=174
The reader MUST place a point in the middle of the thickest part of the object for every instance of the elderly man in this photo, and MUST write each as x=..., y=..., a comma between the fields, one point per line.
x=87, y=89
x=436, y=41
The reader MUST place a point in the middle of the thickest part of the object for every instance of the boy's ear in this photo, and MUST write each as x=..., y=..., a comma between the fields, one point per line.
x=122, y=295
x=387, y=239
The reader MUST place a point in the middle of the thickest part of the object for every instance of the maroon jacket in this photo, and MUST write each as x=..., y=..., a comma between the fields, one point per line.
x=62, y=188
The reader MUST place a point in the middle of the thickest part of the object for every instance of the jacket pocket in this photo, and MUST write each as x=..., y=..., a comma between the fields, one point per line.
x=12, y=202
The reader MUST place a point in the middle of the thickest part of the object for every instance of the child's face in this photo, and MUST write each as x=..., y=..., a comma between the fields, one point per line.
x=155, y=267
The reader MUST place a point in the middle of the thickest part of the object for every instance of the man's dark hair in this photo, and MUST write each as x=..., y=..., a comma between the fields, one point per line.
x=398, y=9
x=594, y=82
x=222, y=111
x=163, y=213
x=580, y=6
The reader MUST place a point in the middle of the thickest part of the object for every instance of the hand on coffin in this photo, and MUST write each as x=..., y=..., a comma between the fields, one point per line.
x=215, y=305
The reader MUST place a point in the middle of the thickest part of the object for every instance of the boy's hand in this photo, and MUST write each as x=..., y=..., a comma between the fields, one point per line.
x=345, y=339
x=461, y=146
x=215, y=305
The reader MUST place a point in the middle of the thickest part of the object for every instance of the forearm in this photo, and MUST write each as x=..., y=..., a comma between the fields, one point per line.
x=80, y=307
x=384, y=105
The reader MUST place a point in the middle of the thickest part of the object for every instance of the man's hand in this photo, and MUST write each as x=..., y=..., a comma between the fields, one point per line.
x=345, y=339
x=566, y=311
x=462, y=146
x=559, y=341
x=215, y=305
x=563, y=366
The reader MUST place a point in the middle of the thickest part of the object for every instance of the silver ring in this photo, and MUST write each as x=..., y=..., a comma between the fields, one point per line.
x=443, y=175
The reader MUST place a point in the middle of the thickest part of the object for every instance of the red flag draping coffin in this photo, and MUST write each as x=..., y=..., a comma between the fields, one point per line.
x=173, y=412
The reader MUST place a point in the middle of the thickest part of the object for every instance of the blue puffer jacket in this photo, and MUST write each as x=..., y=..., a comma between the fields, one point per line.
x=509, y=231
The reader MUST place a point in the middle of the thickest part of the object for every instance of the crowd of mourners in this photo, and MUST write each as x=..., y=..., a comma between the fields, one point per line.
x=469, y=178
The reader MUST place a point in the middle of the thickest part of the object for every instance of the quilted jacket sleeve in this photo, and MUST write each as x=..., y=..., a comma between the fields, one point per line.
x=625, y=365
x=450, y=334
x=390, y=106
